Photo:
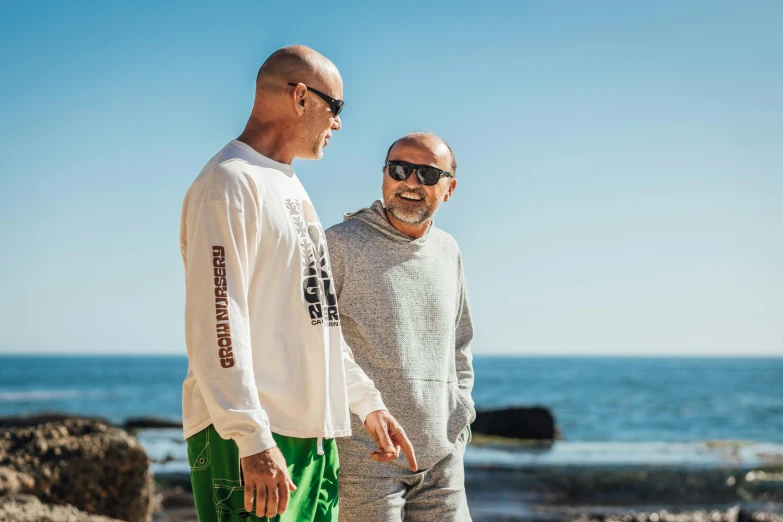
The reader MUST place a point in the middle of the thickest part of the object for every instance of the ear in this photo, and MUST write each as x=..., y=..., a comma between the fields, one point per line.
x=450, y=191
x=300, y=98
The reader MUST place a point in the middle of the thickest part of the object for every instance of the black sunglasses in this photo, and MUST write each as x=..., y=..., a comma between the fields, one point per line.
x=335, y=105
x=401, y=170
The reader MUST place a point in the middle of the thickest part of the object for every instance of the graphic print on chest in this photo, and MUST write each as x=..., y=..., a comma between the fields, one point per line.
x=317, y=287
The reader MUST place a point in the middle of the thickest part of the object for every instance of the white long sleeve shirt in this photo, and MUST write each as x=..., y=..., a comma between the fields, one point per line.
x=262, y=328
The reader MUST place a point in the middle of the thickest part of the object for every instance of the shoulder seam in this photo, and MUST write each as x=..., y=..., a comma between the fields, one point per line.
x=350, y=263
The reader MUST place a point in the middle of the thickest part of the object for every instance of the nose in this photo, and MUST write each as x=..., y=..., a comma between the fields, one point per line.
x=337, y=124
x=413, y=180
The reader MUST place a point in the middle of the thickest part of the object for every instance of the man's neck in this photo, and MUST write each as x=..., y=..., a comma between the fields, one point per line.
x=268, y=142
x=412, y=231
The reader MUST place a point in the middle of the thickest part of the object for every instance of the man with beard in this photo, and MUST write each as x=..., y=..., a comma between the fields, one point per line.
x=270, y=378
x=404, y=311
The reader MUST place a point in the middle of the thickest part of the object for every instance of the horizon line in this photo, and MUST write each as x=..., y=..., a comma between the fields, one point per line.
x=478, y=355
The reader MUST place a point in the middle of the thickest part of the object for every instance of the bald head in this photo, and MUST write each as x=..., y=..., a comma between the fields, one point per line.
x=296, y=64
x=427, y=141
x=411, y=203
x=293, y=115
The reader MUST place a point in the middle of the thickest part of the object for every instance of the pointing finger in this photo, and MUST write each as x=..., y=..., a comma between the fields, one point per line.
x=407, y=448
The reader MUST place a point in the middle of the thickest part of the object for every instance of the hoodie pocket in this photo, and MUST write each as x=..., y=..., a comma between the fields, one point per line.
x=462, y=414
x=468, y=405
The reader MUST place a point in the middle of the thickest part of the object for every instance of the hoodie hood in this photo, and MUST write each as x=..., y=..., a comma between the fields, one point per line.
x=375, y=216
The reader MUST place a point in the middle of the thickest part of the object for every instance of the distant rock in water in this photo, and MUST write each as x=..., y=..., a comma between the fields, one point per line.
x=85, y=463
x=136, y=423
x=133, y=423
x=535, y=423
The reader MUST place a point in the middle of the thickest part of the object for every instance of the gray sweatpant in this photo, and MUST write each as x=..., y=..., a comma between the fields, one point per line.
x=434, y=495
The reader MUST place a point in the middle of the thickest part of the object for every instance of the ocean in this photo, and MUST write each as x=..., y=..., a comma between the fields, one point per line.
x=594, y=399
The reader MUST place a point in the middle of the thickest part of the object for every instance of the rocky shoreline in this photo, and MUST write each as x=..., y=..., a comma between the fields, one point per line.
x=83, y=463
x=57, y=468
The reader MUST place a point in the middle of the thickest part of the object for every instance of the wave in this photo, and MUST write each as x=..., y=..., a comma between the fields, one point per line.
x=45, y=395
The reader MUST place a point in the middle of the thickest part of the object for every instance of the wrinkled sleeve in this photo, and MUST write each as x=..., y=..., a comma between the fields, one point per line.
x=221, y=249
x=363, y=397
x=463, y=339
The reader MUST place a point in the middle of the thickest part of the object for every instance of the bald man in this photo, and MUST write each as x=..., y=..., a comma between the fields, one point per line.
x=404, y=310
x=270, y=379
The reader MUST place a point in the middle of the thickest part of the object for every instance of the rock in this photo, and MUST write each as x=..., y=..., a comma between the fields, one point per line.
x=27, y=508
x=534, y=423
x=751, y=515
x=13, y=482
x=96, y=468
x=150, y=422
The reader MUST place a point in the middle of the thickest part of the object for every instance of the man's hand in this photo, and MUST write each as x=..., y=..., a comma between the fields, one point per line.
x=266, y=474
x=390, y=438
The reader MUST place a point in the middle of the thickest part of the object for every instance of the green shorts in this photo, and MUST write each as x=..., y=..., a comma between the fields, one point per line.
x=219, y=497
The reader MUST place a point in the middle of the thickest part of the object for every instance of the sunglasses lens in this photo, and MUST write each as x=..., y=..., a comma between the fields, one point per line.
x=399, y=172
x=337, y=108
x=428, y=176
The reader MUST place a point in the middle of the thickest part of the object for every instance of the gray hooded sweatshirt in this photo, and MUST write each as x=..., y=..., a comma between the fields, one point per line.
x=404, y=312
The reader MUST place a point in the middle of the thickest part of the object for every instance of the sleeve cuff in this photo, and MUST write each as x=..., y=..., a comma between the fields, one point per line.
x=367, y=405
x=255, y=442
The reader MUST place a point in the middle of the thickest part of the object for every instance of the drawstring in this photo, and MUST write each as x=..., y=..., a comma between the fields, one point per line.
x=320, y=445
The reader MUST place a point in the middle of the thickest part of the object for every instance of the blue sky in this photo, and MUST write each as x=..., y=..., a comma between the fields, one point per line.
x=621, y=163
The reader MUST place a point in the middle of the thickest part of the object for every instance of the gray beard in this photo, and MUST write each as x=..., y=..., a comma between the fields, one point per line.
x=411, y=218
